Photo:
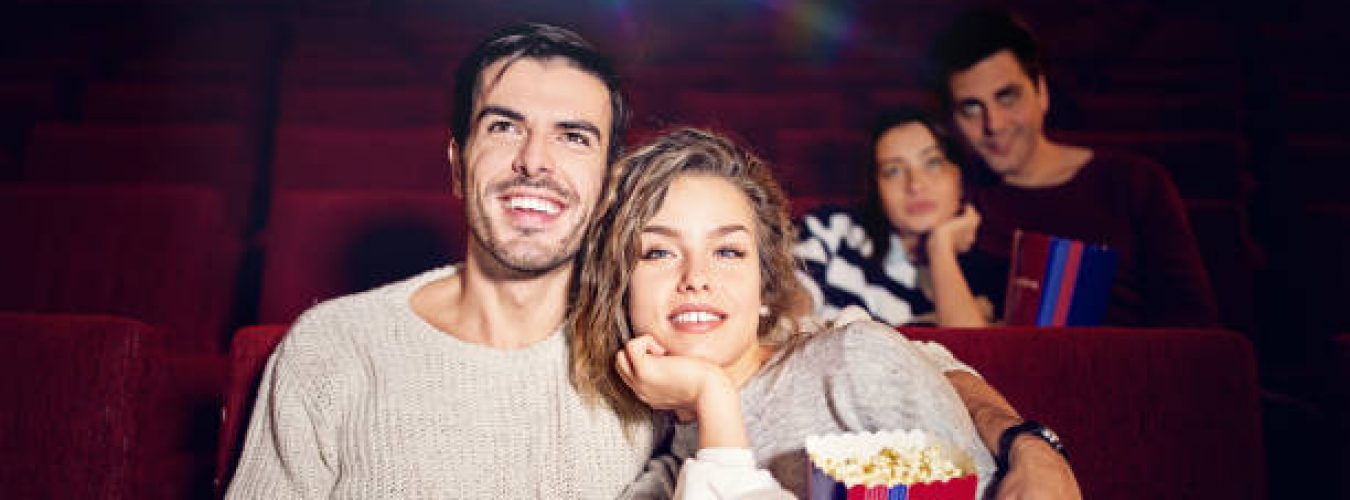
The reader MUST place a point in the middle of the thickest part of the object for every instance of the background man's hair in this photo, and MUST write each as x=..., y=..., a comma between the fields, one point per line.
x=974, y=36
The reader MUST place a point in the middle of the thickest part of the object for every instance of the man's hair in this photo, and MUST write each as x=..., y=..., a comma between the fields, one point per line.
x=974, y=36
x=537, y=42
x=599, y=323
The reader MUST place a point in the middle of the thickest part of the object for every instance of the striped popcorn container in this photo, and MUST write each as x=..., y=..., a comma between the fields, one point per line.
x=1054, y=281
x=891, y=465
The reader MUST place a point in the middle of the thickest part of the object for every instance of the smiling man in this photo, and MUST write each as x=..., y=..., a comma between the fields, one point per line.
x=988, y=73
x=453, y=383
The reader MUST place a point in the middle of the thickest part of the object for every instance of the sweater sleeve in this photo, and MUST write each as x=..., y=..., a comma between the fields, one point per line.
x=887, y=383
x=289, y=449
x=1175, y=285
x=725, y=474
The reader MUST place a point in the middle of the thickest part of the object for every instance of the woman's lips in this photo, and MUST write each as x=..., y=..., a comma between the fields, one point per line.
x=920, y=207
x=696, y=318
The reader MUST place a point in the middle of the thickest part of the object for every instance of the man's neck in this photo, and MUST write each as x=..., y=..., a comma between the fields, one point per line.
x=477, y=306
x=1051, y=164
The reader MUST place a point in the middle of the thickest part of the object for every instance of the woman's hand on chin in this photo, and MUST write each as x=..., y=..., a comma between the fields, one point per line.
x=670, y=382
x=956, y=235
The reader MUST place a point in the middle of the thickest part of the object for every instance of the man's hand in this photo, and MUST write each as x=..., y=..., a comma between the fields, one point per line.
x=1036, y=471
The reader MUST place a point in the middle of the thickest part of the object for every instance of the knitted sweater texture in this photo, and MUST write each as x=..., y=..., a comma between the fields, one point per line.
x=364, y=399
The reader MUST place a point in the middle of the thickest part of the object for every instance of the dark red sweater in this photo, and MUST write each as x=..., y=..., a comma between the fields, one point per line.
x=1126, y=202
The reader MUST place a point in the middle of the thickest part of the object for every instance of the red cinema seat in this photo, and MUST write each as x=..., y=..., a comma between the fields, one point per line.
x=215, y=155
x=323, y=244
x=367, y=106
x=755, y=116
x=801, y=205
x=1145, y=413
x=162, y=254
x=248, y=356
x=72, y=390
x=822, y=162
x=343, y=158
x=177, y=102
x=903, y=97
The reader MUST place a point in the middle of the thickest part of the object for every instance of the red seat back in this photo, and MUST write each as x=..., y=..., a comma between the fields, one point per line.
x=345, y=158
x=71, y=386
x=219, y=156
x=1145, y=413
x=248, y=356
x=163, y=254
x=323, y=244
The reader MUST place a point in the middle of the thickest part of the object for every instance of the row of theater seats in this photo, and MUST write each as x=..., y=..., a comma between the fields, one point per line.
x=1173, y=413
x=169, y=254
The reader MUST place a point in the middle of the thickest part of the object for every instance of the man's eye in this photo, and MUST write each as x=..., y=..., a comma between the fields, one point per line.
x=657, y=253
x=971, y=109
x=577, y=138
x=1008, y=98
x=501, y=126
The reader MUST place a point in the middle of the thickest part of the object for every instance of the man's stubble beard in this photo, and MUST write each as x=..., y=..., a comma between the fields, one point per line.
x=532, y=261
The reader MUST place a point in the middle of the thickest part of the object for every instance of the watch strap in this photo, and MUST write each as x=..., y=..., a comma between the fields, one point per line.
x=1032, y=427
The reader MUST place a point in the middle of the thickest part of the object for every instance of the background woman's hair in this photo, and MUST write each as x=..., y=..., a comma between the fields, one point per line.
x=599, y=322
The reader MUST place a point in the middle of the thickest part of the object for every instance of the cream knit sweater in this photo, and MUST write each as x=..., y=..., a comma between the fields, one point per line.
x=364, y=399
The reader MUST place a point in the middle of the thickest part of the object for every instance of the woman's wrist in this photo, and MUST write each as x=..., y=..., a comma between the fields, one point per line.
x=719, y=414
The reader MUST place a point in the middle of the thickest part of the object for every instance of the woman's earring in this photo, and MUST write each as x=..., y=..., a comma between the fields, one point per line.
x=764, y=311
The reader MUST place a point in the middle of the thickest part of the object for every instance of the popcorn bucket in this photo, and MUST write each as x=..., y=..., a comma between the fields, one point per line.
x=891, y=465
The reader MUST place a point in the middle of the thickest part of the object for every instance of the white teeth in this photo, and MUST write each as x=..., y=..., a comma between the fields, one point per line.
x=695, y=317
x=530, y=203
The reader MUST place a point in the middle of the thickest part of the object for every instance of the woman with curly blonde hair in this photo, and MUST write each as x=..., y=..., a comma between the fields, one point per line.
x=684, y=308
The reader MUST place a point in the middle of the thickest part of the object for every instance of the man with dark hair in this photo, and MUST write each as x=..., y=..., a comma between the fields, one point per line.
x=988, y=71
x=454, y=383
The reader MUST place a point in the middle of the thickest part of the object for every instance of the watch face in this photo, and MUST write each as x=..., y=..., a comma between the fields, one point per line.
x=1049, y=435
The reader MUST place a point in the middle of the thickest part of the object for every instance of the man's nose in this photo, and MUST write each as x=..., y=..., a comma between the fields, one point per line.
x=994, y=120
x=533, y=159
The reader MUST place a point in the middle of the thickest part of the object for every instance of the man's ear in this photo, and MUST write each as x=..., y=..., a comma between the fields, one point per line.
x=456, y=170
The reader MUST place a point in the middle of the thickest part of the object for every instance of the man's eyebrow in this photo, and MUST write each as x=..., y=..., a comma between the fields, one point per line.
x=500, y=111
x=582, y=125
x=1009, y=89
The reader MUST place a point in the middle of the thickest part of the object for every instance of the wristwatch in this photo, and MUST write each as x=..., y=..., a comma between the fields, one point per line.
x=1026, y=427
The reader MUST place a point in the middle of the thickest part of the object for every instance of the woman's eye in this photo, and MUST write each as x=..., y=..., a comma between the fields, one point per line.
x=730, y=252
x=889, y=171
x=935, y=163
x=657, y=253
